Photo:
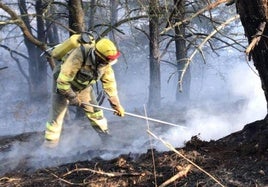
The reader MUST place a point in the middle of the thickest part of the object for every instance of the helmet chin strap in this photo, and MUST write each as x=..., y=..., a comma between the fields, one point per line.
x=113, y=62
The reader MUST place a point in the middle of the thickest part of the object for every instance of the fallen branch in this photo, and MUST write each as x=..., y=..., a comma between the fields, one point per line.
x=168, y=145
x=5, y=180
x=179, y=175
x=68, y=182
x=114, y=174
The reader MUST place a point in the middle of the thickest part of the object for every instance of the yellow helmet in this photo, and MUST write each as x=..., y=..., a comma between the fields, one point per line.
x=107, y=50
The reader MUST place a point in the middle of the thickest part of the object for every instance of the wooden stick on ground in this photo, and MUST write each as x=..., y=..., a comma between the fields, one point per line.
x=113, y=174
x=168, y=145
x=179, y=175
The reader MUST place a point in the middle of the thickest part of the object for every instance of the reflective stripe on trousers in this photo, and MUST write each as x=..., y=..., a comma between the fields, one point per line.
x=53, y=131
x=59, y=108
x=98, y=122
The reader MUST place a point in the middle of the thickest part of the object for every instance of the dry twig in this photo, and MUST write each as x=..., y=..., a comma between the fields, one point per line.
x=179, y=175
x=113, y=174
x=152, y=150
x=68, y=182
x=4, y=180
x=3, y=67
x=168, y=145
x=209, y=7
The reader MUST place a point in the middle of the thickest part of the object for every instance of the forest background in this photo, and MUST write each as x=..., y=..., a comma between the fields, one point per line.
x=221, y=86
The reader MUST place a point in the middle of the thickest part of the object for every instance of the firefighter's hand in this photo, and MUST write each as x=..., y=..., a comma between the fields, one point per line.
x=75, y=101
x=120, y=111
x=115, y=104
x=71, y=96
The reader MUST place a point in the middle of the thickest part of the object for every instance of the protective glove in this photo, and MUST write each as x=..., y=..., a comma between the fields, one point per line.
x=115, y=104
x=120, y=111
x=71, y=96
x=75, y=101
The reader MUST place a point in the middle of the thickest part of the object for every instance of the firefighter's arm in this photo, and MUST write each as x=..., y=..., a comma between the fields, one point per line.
x=68, y=72
x=110, y=88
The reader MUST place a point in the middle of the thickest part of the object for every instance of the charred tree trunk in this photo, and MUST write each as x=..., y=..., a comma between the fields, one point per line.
x=181, y=52
x=76, y=16
x=52, y=30
x=253, y=15
x=37, y=66
x=91, y=14
x=41, y=83
x=155, y=81
x=77, y=24
x=114, y=15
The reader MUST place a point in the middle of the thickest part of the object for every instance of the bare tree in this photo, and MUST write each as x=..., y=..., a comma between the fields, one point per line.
x=91, y=14
x=181, y=51
x=254, y=15
x=154, y=56
x=52, y=30
x=37, y=64
x=76, y=16
x=114, y=15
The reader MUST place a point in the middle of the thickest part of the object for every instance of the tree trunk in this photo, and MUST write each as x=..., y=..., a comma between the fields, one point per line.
x=253, y=15
x=154, y=57
x=181, y=53
x=114, y=15
x=52, y=30
x=37, y=66
x=91, y=15
x=76, y=16
x=77, y=24
x=41, y=76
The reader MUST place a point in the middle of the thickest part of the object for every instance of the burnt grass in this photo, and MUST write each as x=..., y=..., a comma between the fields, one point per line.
x=237, y=160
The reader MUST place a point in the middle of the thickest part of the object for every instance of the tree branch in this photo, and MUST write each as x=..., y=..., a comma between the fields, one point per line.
x=5, y=67
x=256, y=38
x=16, y=19
x=200, y=47
x=209, y=7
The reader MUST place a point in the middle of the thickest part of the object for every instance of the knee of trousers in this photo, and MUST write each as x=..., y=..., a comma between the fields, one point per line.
x=53, y=131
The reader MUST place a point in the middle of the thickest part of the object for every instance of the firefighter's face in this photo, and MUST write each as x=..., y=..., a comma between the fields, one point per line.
x=104, y=62
x=101, y=62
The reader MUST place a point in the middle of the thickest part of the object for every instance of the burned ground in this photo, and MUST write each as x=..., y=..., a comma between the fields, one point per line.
x=239, y=159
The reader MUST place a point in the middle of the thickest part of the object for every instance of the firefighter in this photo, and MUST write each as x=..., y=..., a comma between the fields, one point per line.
x=73, y=85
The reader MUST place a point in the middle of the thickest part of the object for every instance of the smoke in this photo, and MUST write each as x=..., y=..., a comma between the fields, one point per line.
x=225, y=95
x=242, y=102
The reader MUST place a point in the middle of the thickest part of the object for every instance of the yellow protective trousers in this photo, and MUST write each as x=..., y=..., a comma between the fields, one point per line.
x=59, y=107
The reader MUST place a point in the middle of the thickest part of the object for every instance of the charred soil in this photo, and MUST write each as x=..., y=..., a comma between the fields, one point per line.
x=239, y=159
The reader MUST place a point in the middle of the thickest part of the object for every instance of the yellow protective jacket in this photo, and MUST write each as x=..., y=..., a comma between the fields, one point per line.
x=75, y=74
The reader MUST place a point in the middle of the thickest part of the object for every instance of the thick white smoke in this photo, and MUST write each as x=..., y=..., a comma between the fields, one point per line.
x=225, y=96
